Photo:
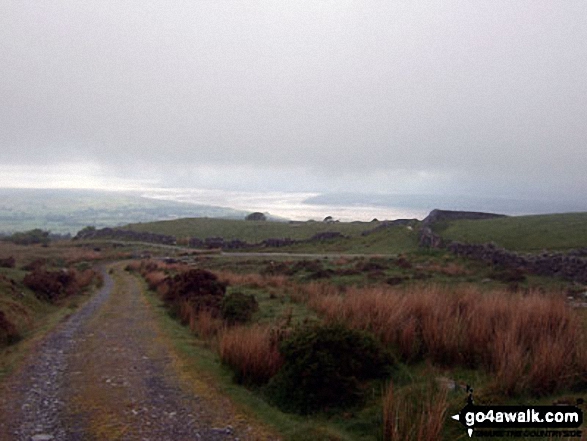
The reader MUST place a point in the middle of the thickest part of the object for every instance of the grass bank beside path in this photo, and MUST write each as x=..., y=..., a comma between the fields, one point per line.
x=35, y=319
x=201, y=367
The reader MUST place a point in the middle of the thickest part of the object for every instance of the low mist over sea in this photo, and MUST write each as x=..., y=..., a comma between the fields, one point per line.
x=358, y=207
x=289, y=206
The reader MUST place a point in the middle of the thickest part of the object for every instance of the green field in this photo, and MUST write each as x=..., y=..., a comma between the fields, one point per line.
x=249, y=231
x=557, y=232
x=521, y=233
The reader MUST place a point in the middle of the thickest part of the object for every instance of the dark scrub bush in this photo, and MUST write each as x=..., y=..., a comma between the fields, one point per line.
x=200, y=289
x=326, y=366
x=237, y=307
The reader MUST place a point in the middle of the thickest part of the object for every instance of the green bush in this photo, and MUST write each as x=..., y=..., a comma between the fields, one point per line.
x=237, y=307
x=326, y=366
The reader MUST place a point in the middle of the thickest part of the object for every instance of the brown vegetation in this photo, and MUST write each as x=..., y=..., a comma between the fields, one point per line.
x=414, y=415
x=251, y=352
x=8, y=262
x=199, y=289
x=52, y=286
x=528, y=342
x=194, y=296
x=205, y=325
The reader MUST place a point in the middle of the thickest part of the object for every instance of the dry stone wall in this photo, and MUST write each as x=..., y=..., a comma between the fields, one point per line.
x=571, y=265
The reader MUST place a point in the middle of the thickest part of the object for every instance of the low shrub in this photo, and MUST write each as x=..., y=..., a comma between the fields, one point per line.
x=370, y=265
x=35, y=265
x=199, y=288
x=52, y=286
x=8, y=262
x=133, y=266
x=237, y=307
x=508, y=275
x=326, y=366
x=321, y=274
x=31, y=237
x=311, y=266
x=403, y=263
x=274, y=268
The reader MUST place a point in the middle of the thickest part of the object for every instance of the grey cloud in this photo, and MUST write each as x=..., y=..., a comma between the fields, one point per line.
x=458, y=96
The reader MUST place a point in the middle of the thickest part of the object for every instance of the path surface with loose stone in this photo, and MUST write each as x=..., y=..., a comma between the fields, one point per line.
x=108, y=373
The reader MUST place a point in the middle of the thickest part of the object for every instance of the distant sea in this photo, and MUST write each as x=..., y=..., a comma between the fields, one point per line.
x=288, y=206
x=348, y=207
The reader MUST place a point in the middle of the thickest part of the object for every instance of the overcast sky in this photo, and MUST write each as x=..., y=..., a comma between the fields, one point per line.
x=461, y=97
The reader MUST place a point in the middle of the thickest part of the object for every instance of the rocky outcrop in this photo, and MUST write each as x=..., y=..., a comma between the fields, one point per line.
x=449, y=215
x=388, y=224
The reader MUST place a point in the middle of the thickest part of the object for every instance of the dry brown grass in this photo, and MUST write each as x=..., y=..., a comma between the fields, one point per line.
x=86, y=277
x=154, y=279
x=252, y=280
x=448, y=269
x=57, y=254
x=251, y=352
x=205, y=325
x=414, y=415
x=529, y=342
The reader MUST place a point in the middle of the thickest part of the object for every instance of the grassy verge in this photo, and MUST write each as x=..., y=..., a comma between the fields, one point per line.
x=450, y=322
x=29, y=316
x=34, y=320
x=200, y=362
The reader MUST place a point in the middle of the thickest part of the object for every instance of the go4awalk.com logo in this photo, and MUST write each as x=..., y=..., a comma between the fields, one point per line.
x=553, y=421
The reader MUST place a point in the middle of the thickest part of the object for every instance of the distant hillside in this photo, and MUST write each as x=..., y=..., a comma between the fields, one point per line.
x=248, y=231
x=517, y=233
x=67, y=211
x=521, y=233
x=303, y=237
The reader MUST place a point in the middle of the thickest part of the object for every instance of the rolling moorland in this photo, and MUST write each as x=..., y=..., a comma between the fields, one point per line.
x=331, y=330
x=64, y=211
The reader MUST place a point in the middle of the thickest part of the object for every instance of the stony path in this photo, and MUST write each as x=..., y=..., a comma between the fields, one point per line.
x=108, y=374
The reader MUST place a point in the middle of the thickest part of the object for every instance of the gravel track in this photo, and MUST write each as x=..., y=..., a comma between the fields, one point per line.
x=106, y=374
x=33, y=398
